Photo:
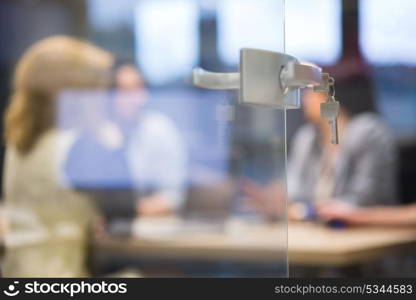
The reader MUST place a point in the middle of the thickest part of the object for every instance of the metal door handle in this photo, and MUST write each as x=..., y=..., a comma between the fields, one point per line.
x=266, y=78
x=215, y=81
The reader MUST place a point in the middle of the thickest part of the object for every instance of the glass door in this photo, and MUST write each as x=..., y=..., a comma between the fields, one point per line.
x=187, y=181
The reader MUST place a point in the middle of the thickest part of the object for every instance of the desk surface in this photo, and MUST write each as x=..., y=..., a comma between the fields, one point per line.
x=313, y=244
x=308, y=243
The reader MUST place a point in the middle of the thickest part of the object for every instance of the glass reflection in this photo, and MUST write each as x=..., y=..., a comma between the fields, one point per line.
x=115, y=149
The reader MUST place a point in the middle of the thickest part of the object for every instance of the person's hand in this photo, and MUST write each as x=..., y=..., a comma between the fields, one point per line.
x=267, y=200
x=338, y=211
x=154, y=205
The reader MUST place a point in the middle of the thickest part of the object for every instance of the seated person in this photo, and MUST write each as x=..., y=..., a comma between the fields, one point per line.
x=156, y=151
x=361, y=170
x=132, y=159
x=49, y=224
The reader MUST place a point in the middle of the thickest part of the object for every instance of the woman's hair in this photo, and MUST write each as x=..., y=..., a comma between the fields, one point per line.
x=355, y=94
x=49, y=67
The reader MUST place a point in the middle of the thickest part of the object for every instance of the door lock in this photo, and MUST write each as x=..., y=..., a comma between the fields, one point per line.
x=265, y=78
x=272, y=79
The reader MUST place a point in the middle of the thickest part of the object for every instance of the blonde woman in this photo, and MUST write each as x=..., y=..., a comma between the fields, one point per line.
x=48, y=223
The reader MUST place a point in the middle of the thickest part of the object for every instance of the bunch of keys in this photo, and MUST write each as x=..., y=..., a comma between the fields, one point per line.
x=329, y=109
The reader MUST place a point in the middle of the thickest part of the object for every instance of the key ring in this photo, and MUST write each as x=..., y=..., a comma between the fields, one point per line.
x=331, y=84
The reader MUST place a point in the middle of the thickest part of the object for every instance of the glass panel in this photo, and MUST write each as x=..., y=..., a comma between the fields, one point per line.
x=260, y=23
x=109, y=142
x=380, y=19
x=314, y=30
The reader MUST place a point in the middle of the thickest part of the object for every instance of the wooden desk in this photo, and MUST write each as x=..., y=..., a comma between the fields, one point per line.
x=172, y=239
x=308, y=243
x=312, y=244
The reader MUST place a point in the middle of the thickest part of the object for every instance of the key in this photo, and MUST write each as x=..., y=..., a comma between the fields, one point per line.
x=330, y=111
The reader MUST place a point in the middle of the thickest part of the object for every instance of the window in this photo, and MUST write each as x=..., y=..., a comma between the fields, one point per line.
x=313, y=30
x=167, y=38
x=387, y=31
x=262, y=25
